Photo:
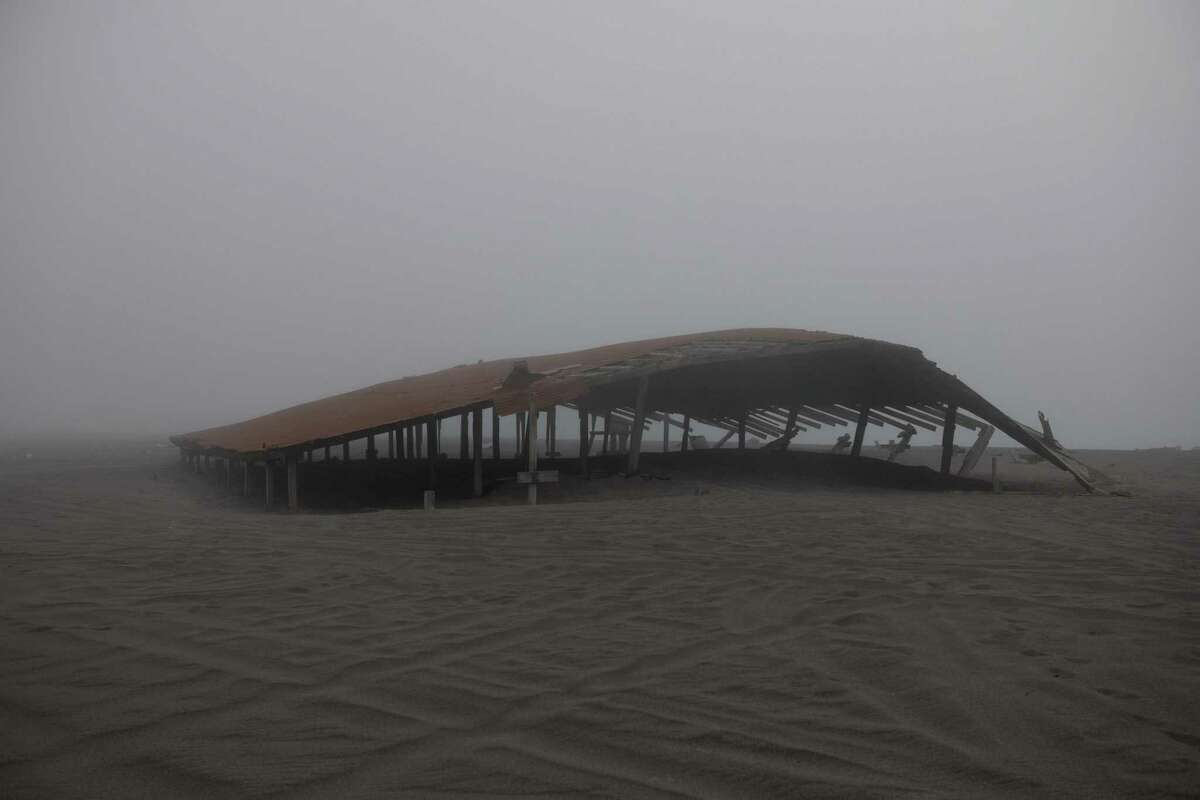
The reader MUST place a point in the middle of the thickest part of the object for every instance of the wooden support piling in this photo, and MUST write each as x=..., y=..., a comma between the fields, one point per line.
x=268, y=483
x=293, y=482
x=860, y=429
x=464, y=443
x=607, y=431
x=531, y=450
x=585, y=443
x=391, y=444
x=686, y=443
x=666, y=423
x=639, y=419
x=741, y=431
x=432, y=446
x=948, y=437
x=245, y=478
x=477, y=452
x=495, y=435
x=346, y=451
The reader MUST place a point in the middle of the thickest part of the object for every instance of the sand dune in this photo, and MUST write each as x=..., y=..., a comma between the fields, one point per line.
x=161, y=640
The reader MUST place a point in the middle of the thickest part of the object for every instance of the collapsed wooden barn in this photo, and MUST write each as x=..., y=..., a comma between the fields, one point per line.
x=767, y=382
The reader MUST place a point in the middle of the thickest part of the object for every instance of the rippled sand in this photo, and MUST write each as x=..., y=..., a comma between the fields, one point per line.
x=160, y=640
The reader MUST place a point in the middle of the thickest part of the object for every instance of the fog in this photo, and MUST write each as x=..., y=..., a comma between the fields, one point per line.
x=211, y=210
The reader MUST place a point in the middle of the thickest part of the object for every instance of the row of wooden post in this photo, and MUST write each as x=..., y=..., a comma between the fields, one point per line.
x=406, y=442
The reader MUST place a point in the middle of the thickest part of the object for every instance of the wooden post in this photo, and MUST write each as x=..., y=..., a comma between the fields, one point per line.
x=346, y=451
x=948, y=437
x=585, y=442
x=293, y=483
x=666, y=433
x=326, y=452
x=431, y=449
x=742, y=431
x=420, y=437
x=268, y=483
x=245, y=478
x=477, y=450
x=639, y=420
x=391, y=444
x=372, y=453
x=864, y=413
x=531, y=450
x=464, y=444
x=410, y=434
x=522, y=450
x=551, y=430
x=687, y=434
x=607, y=431
x=495, y=435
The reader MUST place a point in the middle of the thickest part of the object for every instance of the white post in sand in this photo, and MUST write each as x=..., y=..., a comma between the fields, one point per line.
x=428, y=499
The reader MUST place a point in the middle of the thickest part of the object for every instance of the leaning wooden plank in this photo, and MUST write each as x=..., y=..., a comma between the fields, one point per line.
x=782, y=415
x=915, y=420
x=933, y=419
x=959, y=417
x=976, y=452
x=873, y=416
x=817, y=415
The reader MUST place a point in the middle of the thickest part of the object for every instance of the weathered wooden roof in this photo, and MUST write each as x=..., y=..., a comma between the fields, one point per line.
x=710, y=375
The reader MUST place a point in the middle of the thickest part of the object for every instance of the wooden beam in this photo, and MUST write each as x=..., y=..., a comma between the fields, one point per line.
x=959, y=417
x=495, y=435
x=431, y=450
x=639, y=418
x=872, y=415
x=933, y=419
x=268, y=483
x=293, y=482
x=666, y=433
x=860, y=429
x=910, y=418
x=585, y=443
x=464, y=443
x=741, y=430
x=607, y=431
x=477, y=451
x=820, y=416
x=948, y=438
x=685, y=443
x=973, y=455
x=531, y=450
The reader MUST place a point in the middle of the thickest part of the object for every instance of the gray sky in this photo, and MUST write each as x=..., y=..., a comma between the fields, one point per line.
x=211, y=210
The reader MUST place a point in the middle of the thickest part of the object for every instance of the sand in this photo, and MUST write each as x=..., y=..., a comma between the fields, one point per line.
x=758, y=640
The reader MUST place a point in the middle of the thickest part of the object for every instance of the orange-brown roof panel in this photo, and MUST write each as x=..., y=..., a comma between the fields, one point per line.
x=559, y=377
